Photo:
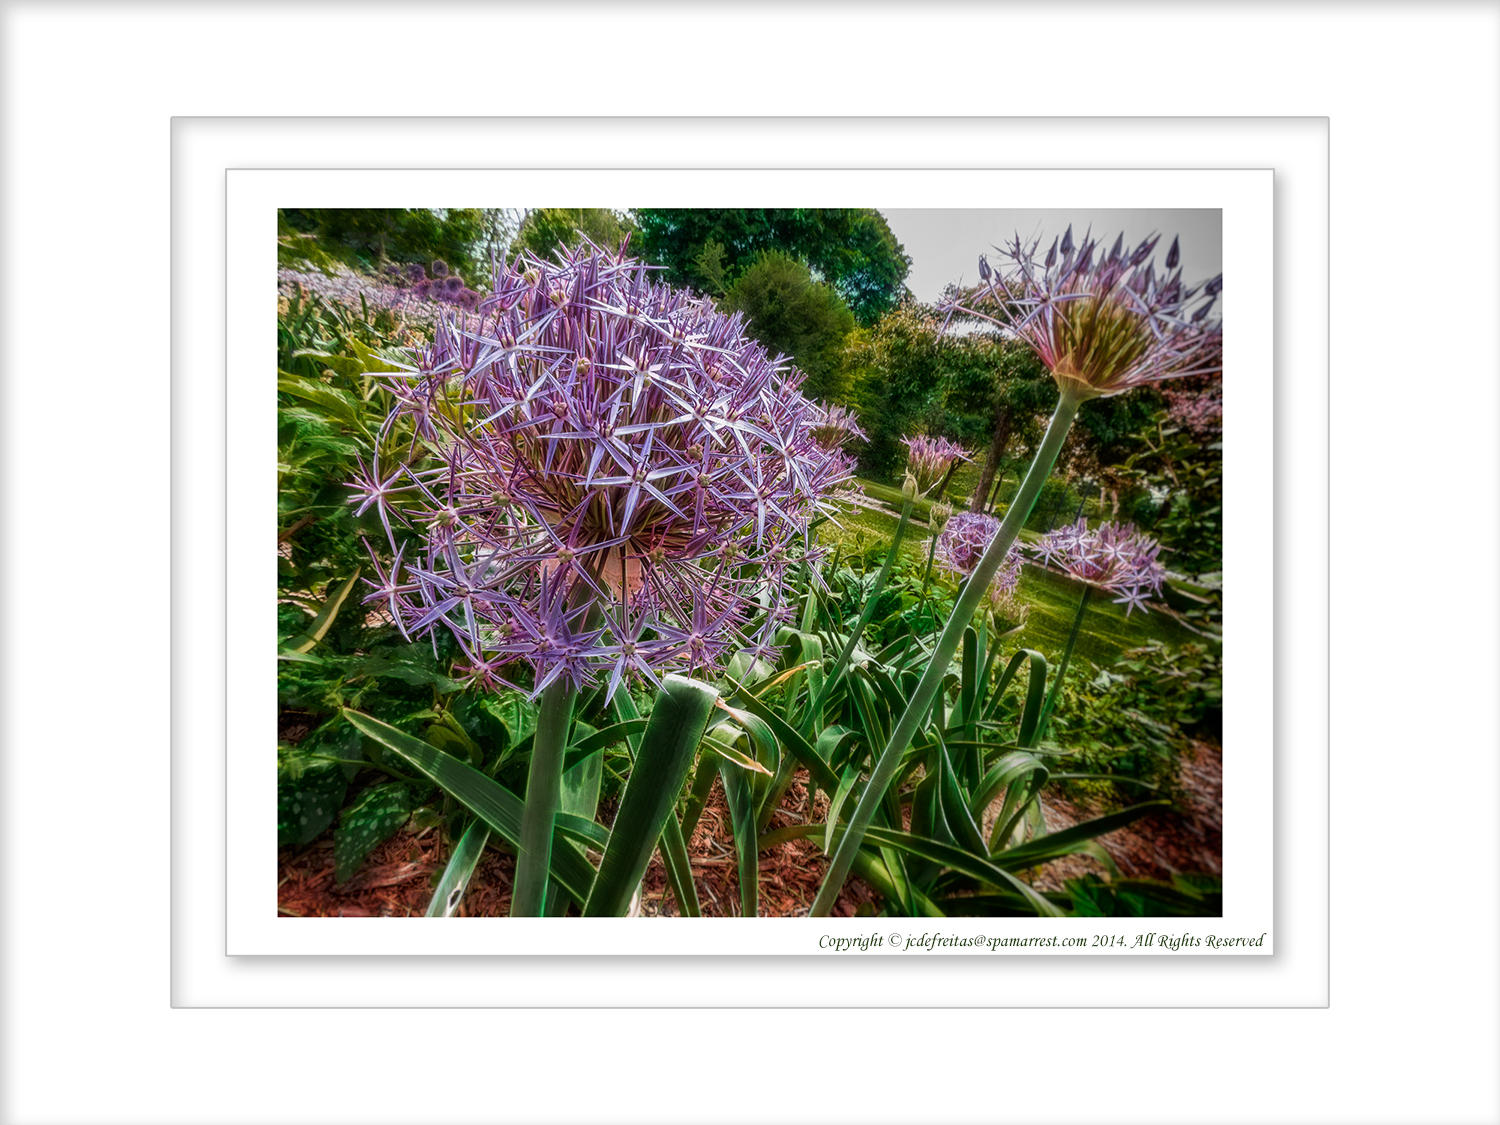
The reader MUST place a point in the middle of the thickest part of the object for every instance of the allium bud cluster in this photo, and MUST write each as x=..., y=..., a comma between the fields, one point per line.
x=609, y=479
x=1101, y=322
x=1112, y=557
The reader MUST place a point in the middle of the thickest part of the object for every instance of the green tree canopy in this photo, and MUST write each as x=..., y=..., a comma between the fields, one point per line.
x=366, y=236
x=851, y=249
x=789, y=312
x=543, y=230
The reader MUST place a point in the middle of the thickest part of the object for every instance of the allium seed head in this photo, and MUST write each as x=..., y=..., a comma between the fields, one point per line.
x=1112, y=557
x=599, y=492
x=1101, y=323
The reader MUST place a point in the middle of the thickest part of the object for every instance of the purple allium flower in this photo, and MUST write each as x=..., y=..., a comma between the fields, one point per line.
x=422, y=289
x=1101, y=323
x=416, y=272
x=609, y=479
x=439, y=268
x=963, y=540
x=452, y=285
x=1113, y=557
x=928, y=459
x=838, y=426
x=467, y=299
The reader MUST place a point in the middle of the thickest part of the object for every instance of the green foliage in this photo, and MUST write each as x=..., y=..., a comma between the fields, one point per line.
x=1135, y=718
x=371, y=819
x=546, y=229
x=309, y=791
x=851, y=249
x=792, y=314
x=366, y=237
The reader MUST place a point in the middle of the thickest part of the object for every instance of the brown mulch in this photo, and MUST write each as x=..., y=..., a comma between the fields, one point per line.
x=1185, y=839
x=396, y=881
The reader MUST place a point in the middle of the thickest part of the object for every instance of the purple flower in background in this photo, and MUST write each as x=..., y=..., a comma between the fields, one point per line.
x=1101, y=322
x=609, y=478
x=1200, y=414
x=1112, y=557
x=416, y=272
x=439, y=268
x=422, y=289
x=452, y=286
x=838, y=426
x=963, y=540
x=928, y=460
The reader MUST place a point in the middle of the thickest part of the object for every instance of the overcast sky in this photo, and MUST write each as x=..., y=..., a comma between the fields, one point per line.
x=944, y=244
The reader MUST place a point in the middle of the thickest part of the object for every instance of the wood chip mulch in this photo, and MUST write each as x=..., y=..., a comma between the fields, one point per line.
x=396, y=881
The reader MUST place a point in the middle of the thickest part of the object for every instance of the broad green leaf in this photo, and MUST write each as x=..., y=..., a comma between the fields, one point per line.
x=674, y=853
x=372, y=818
x=666, y=753
x=308, y=795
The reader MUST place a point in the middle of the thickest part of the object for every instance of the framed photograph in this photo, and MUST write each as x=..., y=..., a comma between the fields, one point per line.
x=630, y=455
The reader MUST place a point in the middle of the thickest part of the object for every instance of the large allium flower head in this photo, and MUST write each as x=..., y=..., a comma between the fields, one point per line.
x=1101, y=322
x=964, y=539
x=1112, y=557
x=439, y=268
x=611, y=478
x=928, y=460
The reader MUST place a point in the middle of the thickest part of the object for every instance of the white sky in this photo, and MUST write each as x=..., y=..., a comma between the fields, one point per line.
x=944, y=244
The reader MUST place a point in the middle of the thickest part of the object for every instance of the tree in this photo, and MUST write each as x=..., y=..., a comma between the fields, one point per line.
x=895, y=374
x=997, y=392
x=789, y=312
x=367, y=236
x=851, y=249
x=543, y=230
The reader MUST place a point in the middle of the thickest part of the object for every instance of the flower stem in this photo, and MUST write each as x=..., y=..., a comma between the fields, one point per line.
x=869, y=610
x=543, y=797
x=1062, y=668
x=926, y=691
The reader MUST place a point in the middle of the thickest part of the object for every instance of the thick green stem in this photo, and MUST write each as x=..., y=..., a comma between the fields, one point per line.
x=1062, y=668
x=543, y=796
x=932, y=680
x=869, y=610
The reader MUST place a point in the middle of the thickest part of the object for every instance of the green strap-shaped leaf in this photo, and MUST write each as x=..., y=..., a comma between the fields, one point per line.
x=742, y=823
x=1069, y=840
x=449, y=891
x=674, y=853
x=666, y=753
x=799, y=747
x=486, y=798
x=318, y=628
